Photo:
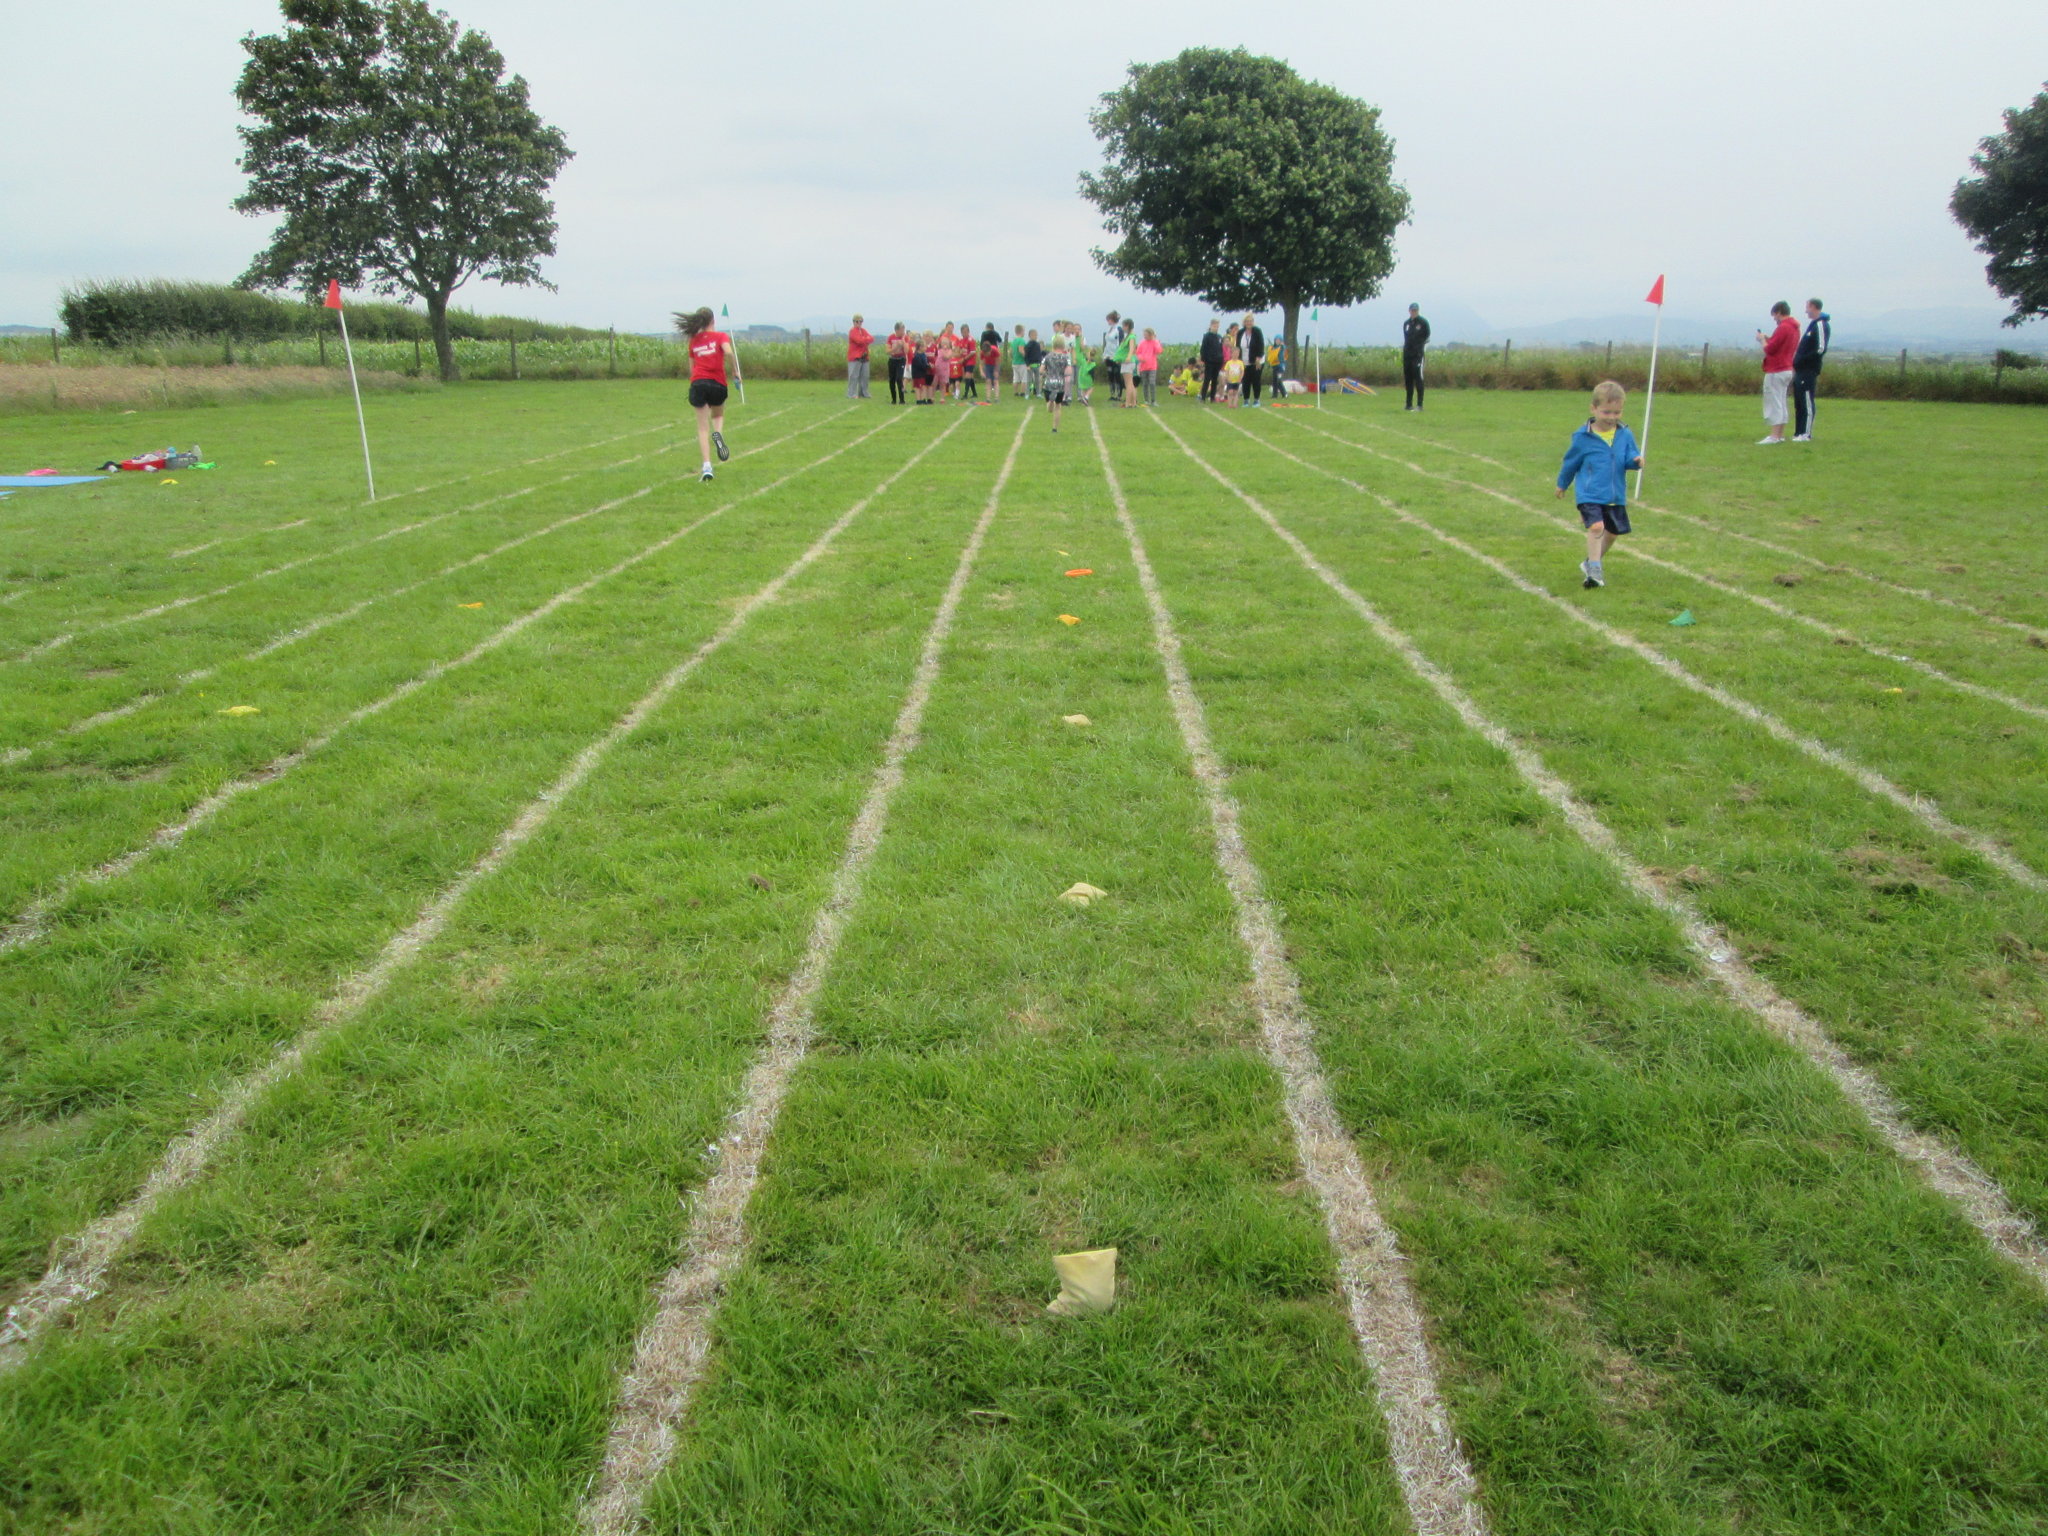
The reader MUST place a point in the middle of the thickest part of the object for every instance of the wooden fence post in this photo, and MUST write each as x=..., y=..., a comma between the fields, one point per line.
x=227, y=350
x=55, y=355
x=807, y=346
x=514, y=335
x=1902, y=365
x=419, y=363
x=1507, y=351
x=611, y=352
x=321, y=337
x=1706, y=351
x=1610, y=357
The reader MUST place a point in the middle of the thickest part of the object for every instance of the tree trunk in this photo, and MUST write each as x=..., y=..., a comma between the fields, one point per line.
x=1290, y=306
x=444, y=349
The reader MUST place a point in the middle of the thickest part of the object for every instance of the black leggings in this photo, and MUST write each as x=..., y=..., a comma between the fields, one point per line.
x=1211, y=372
x=1411, y=380
x=1253, y=375
x=898, y=395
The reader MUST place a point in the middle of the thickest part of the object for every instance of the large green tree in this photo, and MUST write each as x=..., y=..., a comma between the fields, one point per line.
x=1230, y=177
x=2004, y=207
x=399, y=154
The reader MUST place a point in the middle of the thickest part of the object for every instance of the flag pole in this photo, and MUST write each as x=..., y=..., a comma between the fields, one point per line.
x=1650, y=394
x=1316, y=315
x=355, y=388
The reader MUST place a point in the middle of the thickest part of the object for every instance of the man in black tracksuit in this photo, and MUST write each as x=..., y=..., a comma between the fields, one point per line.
x=1813, y=350
x=1212, y=361
x=1414, y=341
x=1251, y=346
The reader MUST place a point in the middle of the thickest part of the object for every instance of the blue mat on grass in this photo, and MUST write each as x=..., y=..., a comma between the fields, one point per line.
x=31, y=481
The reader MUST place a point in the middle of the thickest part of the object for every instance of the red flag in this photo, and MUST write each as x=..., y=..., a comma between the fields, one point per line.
x=1655, y=296
x=334, y=291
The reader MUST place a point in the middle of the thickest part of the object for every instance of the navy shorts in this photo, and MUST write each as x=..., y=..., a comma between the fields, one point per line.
x=1613, y=514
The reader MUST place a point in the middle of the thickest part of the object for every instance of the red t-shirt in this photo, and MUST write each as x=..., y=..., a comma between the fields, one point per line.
x=707, y=356
x=991, y=355
x=1782, y=344
x=858, y=341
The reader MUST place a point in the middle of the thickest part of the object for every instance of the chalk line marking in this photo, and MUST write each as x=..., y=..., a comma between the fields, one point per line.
x=1921, y=809
x=1750, y=538
x=33, y=921
x=1436, y=1480
x=1769, y=605
x=1947, y=1170
x=235, y=538
x=98, y=626
x=80, y=1272
x=313, y=626
x=670, y=1352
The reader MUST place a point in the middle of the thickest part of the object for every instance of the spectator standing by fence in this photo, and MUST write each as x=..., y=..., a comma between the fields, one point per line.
x=899, y=362
x=858, y=341
x=1780, y=346
x=1806, y=363
x=1414, y=344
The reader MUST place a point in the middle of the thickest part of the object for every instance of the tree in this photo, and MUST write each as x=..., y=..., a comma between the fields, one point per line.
x=2004, y=208
x=398, y=154
x=1230, y=177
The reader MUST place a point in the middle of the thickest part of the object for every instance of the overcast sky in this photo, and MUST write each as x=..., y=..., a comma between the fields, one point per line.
x=917, y=159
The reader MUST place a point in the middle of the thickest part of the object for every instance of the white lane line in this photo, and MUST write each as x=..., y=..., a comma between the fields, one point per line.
x=1393, y=1333
x=1750, y=538
x=33, y=921
x=81, y=1270
x=1637, y=552
x=173, y=605
x=669, y=1355
x=442, y=485
x=1921, y=809
x=313, y=626
x=1947, y=1170
x=236, y=538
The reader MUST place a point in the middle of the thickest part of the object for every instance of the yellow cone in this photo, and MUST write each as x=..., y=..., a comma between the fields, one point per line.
x=241, y=709
x=1068, y=618
x=1081, y=893
x=1075, y=719
x=1087, y=1283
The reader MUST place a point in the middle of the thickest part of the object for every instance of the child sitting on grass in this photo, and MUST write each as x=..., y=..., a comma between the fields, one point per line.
x=1600, y=455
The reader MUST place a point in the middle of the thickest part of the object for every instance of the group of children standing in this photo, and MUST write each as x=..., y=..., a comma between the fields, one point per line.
x=956, y=364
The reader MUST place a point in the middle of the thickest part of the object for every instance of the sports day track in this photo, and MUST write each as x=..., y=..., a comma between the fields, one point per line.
x=1662, y=1266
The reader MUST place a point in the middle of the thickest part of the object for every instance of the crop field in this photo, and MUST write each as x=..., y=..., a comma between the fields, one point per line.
x=544, y=1003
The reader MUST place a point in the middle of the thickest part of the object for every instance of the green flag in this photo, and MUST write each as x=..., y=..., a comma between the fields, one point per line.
x=724, y=311
x=1315, y=314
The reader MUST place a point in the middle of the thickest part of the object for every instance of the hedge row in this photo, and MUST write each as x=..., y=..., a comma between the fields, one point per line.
x=130, y=313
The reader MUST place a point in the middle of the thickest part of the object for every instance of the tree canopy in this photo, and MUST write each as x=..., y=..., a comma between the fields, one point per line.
x=2004, y=207
x=399, y=154
x=1230, y=177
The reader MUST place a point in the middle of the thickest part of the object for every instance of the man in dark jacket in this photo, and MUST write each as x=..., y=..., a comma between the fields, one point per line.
x=1813, y=350
x=1414, y=342
x=1212, y=361
x=1251, y=346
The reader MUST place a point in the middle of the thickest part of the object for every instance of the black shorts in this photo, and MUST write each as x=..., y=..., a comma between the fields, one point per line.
x=1055, y=394
x=1613, y=514
x=707, y=392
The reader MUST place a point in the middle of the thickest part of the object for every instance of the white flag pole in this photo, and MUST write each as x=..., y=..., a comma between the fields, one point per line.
x=362, y=427
x=739, y=373
x=1317, y=317
x=1650, y=394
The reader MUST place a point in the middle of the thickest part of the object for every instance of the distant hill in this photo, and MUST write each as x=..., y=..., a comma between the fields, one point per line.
x=24, y=330
x=1951, y=330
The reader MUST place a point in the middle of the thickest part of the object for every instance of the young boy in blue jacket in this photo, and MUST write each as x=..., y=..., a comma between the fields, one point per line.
x=1601, y=454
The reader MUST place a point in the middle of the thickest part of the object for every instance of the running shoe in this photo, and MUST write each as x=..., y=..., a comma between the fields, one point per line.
x=718, y=442
x=707, y=473
x=1592, y=574
x=1803, y=437
x=1766, y=442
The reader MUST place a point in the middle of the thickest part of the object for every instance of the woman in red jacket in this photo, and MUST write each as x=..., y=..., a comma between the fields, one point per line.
x=1779, y=348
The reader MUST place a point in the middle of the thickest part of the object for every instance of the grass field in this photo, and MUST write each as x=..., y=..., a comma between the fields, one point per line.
x=600, y=1047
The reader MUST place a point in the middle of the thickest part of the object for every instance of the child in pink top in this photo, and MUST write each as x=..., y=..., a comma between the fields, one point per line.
x=1148, y=365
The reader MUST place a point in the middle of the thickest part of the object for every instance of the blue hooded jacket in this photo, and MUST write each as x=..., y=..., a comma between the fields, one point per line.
x=1600, y=469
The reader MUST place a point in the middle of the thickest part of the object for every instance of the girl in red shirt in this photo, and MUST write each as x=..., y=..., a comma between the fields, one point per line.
x=708, y=351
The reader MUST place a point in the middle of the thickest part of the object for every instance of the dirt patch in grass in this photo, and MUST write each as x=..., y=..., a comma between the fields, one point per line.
x=1891, y=873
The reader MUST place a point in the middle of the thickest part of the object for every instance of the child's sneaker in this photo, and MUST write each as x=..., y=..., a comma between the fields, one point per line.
x=1590, y=569
x=718, y=442
x=1765, y=442
x=707, y=471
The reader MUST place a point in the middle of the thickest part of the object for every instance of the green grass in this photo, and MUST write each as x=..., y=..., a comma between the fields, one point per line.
x=1674, y=1283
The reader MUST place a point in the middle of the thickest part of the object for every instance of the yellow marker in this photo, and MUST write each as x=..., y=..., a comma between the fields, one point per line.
x=167, y=482
x=1068, y=618
x=269, y=463
x=241, y=709
x=1087, y=1283
x=1895, y=690
x=1080, y=893
x=469, y=605
x=1075, y=719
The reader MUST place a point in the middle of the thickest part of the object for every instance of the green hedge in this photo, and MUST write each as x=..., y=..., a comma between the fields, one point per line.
x=135, y=312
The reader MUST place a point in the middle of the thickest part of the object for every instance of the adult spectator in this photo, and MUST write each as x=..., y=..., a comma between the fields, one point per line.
x=1252, y=347
x=1779, y=347
x=1414, y=343
x=858, y=340
x=1813, y=350
x=1212, y=361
